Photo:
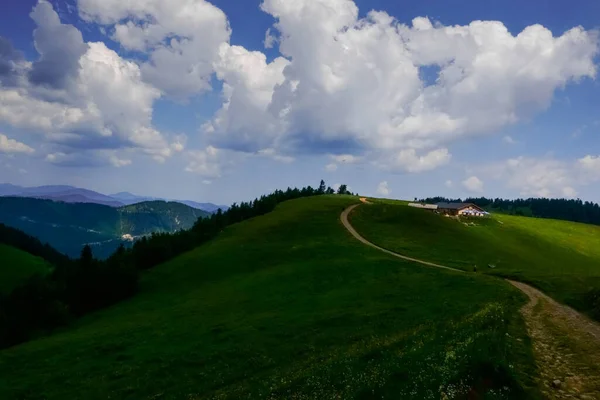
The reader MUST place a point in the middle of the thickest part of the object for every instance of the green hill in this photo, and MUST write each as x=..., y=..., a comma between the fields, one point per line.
x=69, y=226
x=287, y=305
x=562, y=258
x=17, y=265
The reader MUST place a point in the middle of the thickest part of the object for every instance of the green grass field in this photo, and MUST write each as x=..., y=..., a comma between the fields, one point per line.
x=562, y=258
x=17, y=266
x=287, y=305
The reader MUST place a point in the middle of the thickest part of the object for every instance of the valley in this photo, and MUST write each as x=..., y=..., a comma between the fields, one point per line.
x=70, y=226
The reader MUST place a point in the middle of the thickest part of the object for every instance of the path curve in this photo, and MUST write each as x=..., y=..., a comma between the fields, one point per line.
x=350, y=228
x=567, y=371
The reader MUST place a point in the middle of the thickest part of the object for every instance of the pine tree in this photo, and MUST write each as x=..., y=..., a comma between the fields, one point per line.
x=322, y=187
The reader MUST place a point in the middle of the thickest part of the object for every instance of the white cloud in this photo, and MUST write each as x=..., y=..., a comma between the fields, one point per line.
x=473, y=184
x=331, y=167
x=509, y=140
x=206, y=163
x=182, y=38
x=544, y=177
x=272, y=153
x=270, y=39
x=589, y=168
x=244, y=122
x=449, y=183
x=104, y=104
x=591, y=163
x=383, y=189
x=60, y=47
x=87, y=158
x=118, y=162
x=408, y=160
x=350, y=82
x=342, y=84
x=8, y=145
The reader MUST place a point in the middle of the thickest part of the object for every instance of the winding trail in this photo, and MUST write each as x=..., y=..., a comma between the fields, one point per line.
x=566, y=344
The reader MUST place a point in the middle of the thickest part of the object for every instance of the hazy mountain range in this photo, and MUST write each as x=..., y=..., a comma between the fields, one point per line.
x=71, y=194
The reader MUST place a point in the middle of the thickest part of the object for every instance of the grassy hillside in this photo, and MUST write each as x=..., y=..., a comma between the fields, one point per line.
x=562, y=258
x=287, y=305
x=69, y=226
x=17, y=265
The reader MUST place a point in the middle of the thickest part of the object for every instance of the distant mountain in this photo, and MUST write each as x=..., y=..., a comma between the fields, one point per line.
x=6, y=189
x=68, y=194
x=69, y=226
x=209, y=207
x=72, y=194
x=129, y=198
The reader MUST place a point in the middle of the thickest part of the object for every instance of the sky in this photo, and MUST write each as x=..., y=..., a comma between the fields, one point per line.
x=226, y=100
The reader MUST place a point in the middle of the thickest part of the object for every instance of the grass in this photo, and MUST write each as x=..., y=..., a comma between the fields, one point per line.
x=17, y=266
x=561, y=258
x=287, y=305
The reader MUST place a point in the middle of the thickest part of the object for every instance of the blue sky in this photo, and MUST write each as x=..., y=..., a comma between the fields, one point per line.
x=454, y=98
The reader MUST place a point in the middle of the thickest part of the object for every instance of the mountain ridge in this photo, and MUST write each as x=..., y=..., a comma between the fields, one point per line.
x=72, y=194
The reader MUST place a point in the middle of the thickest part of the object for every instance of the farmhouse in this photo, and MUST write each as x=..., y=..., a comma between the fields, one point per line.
x=461, y=209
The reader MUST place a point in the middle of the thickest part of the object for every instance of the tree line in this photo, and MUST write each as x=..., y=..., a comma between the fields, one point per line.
x=76, y=287
x=564, y=209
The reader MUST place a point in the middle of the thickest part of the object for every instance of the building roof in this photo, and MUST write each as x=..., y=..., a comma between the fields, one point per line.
x=456, y=206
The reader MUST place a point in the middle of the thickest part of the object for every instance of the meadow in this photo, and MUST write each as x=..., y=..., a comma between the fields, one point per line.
x=288, y=305
x=17, y=266
x=561, y=258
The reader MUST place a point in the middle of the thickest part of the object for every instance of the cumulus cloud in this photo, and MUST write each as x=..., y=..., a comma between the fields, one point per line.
x=247, y=91
x=343, y=84
x=449, y=183
x=270, y=39
x=408, y=160
x=383, y=189
x=206, y=163
x=473, y=184
x=355, y=82
x=8, y=145
x=86, y=158
x=11, y=63
x=60, y=47
x=182, y=38
x=331, y=167
x=508, y=140
x=589, y=168
x=272, y=154
x=119, y=162
x=545, y=177
x=91, y=100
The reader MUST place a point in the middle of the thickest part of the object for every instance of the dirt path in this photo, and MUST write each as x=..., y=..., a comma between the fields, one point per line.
x=566, y=344
x=350, y=228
